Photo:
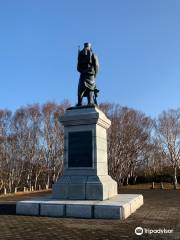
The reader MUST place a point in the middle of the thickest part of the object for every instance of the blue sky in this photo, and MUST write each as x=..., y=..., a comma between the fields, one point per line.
x=137, y=42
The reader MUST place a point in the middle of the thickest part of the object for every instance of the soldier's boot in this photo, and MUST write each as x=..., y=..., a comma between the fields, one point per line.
x=91, y=98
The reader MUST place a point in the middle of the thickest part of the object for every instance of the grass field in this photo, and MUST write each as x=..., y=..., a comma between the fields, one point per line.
x=149, y=186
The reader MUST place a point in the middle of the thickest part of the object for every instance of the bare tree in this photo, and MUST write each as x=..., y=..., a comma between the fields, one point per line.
x=168, y=133
x=155, y=160
x=128, y=140
x=31, y=144
x=53, y=139
x=5, y=163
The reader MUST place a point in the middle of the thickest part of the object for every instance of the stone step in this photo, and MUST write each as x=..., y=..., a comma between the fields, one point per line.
x=118, y=207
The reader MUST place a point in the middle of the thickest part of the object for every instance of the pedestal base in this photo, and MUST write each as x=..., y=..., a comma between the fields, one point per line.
x=119, y=207
x=85, y=188
x=85, y=175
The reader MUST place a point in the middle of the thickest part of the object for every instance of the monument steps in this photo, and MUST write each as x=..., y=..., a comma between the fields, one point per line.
x=119, y=207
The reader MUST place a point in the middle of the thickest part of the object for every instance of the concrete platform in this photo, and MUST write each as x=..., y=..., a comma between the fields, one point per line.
x=118, y=207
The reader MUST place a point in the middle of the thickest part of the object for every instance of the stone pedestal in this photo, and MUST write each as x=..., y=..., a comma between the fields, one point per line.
x=85, y=174
x=85, y=190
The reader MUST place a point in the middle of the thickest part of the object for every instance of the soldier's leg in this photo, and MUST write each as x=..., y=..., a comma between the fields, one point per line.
x=79, y=100
x=80, y=97
x=95, y=99
x=91, y=97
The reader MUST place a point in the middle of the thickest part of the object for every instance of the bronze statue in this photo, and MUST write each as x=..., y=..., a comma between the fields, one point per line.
x=88, y=67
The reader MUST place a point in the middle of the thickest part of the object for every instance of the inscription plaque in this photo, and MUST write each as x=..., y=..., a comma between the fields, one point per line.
x=80, y=149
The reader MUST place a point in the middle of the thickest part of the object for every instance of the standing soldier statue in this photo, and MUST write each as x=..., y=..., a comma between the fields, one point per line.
x=88, y=67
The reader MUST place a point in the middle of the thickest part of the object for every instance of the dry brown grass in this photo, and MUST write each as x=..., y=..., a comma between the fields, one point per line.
x=167, y=186
x=24, y=195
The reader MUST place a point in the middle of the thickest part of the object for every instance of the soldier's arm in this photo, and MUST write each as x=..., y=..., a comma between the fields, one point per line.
x=96, y=64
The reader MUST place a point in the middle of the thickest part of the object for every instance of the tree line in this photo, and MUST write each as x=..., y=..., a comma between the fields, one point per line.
x=139, y=147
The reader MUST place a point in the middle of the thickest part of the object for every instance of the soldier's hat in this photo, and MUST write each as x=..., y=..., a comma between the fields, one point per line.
x=86, y=45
